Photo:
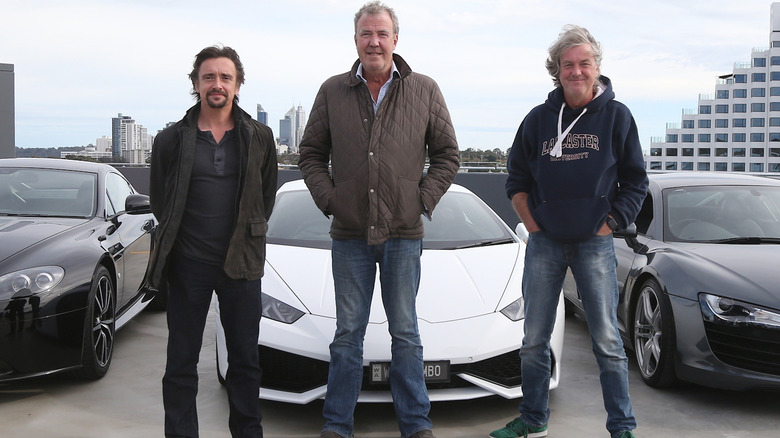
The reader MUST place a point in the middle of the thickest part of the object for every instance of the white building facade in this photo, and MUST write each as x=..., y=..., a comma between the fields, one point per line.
x=737, y=129
x=135, y=142
x=103, y=144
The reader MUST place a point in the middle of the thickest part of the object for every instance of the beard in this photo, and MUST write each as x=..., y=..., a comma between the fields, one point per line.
x=217, y=105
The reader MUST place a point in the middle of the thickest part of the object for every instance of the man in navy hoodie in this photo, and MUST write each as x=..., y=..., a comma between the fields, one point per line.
x=576, y=174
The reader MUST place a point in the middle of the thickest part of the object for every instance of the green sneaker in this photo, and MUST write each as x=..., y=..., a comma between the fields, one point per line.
x=626, y=434
x=517, y=428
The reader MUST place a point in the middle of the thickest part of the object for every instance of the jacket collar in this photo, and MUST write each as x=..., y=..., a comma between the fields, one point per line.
x=403, y=69
x=191, y=117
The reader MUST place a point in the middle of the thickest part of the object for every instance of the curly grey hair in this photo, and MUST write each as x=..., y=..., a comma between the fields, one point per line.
x=570, y=36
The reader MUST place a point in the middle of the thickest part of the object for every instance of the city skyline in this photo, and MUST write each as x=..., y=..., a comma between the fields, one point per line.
x=86, y=61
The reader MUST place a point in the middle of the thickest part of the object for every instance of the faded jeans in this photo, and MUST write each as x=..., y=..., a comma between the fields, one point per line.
x=354, y=273
x=593, y=264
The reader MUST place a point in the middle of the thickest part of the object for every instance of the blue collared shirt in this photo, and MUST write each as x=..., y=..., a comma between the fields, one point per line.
x=382, y=91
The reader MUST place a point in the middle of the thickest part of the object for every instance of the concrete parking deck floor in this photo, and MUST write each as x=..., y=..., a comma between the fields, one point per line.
x=127, y=402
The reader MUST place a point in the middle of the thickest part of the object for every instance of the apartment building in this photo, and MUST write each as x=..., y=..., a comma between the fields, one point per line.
x=736, y=129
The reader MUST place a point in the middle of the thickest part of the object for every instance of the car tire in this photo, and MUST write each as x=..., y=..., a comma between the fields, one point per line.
x=99, y=327
x=654, y=336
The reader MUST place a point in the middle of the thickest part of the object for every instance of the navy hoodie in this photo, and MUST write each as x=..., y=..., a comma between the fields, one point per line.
x=601, y=170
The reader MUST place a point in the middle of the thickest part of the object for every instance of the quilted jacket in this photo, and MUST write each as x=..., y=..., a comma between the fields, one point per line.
x=173, y=155
x=376, y=187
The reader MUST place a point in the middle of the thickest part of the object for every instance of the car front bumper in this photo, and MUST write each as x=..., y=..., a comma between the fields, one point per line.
x=482, y=352
x=703, y=351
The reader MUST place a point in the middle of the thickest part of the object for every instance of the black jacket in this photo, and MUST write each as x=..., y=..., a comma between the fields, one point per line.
x=172, y=159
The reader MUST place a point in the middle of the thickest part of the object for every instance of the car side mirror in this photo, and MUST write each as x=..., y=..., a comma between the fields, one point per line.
x=522, y=232
x=629, y=234
x=137, y=204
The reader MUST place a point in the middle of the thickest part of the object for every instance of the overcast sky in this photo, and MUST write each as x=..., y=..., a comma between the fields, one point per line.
x=78, y=63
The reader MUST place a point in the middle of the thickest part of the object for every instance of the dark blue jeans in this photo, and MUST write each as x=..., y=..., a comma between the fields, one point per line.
x=190, y=289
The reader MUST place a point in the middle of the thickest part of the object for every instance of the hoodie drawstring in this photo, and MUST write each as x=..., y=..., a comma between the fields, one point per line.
x=556, y=151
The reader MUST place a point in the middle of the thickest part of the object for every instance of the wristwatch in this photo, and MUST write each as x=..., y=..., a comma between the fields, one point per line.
x=612, y=223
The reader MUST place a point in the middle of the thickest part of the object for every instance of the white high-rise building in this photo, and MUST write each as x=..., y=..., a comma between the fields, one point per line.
x=135, y=142
x=103, y=144
x=300, y=125
x=737, y=129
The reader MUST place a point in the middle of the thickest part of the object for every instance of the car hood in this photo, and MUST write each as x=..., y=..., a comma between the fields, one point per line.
x=455, y=284
x=19, y=233
x=740, y=267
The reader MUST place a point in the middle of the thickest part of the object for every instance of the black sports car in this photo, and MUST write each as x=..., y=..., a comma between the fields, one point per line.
x=74, y=244
x=700, y=282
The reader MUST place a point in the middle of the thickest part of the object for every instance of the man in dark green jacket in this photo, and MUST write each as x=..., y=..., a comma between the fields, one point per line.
x=212, y=188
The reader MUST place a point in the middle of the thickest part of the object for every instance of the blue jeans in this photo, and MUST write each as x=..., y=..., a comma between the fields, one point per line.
x=593, y=264
x=354, y=274
x=191, y=285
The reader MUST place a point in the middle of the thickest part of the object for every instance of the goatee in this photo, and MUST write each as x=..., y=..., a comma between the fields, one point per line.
x=217, y=105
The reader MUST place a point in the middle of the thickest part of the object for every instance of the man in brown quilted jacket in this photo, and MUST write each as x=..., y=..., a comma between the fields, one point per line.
x=376, y=125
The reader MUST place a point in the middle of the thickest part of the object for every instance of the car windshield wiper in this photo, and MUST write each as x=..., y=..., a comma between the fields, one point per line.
x=23, y=214
x=748, y=240
x=40, y=215
x=487, y=243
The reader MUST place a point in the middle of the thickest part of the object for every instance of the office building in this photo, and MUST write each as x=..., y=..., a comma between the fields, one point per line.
x=285, y=131
x=262, y=116
x=7, y=116
x=130, y=141
x=300, y=126
x=736, y=129
x=291, y=128
x=103, y=144
x=116, y=133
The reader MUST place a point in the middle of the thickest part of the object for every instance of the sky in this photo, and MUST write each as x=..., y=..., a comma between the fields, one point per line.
x=78, y=63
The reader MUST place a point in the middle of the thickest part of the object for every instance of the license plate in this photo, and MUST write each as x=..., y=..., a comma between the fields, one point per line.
x=434, y=371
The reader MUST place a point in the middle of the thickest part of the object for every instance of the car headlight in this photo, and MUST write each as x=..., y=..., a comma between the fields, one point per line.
x=279, y=310
x=727, y=310
x=515, y=311
x=31, y=281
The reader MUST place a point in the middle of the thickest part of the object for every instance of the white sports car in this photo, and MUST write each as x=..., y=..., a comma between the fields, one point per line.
x=469, y=305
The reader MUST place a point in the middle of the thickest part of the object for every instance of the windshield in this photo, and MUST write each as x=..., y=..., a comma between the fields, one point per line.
x=459, y=220
x=46, y=192
x=722, y=214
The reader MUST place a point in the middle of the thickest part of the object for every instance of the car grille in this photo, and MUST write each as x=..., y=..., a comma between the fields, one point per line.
x=293, y=373
x=502, y=370
x=750, y=347
x=290, y=372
